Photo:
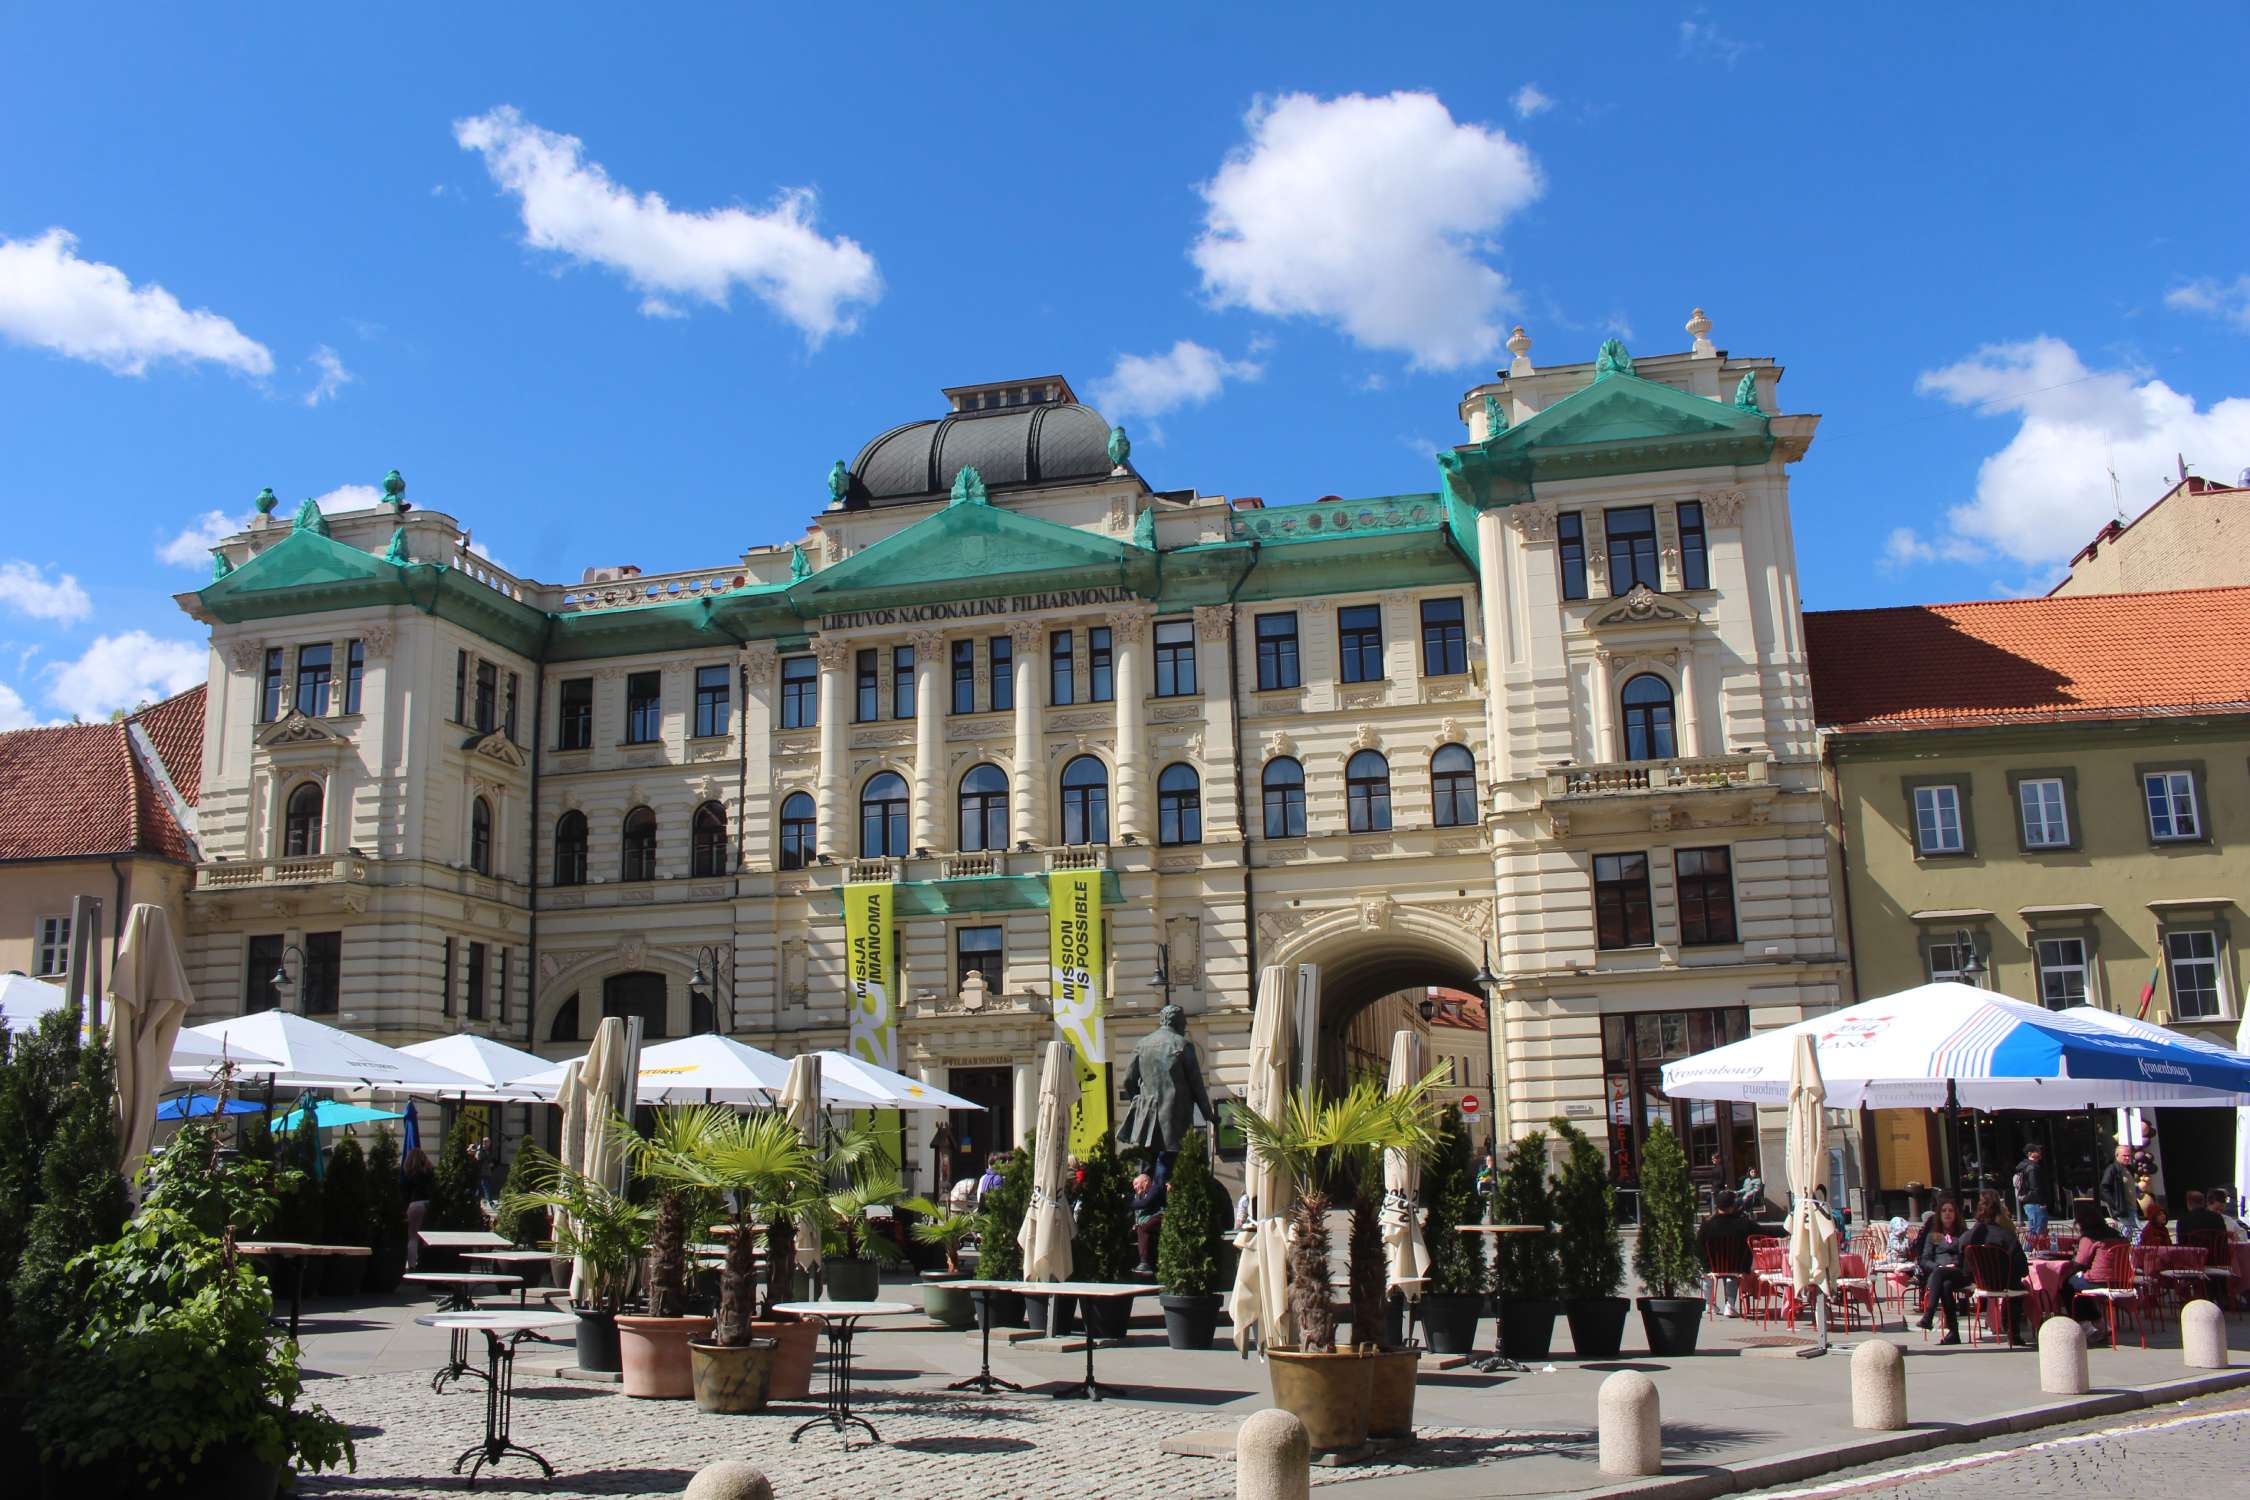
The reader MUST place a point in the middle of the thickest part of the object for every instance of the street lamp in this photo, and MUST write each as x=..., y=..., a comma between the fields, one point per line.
x=281, y=980
x=1487, y=983
x=1973, y=968
x=714, y=973
x=1164, y=969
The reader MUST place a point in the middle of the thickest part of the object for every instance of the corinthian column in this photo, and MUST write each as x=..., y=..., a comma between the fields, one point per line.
x=1031, y=766
x=835, y=699
x=929, y=738
x=1129, y=634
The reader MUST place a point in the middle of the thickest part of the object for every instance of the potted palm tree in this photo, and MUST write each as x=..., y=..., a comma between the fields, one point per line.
x=1525, y=1272
x=944, y=1230
x=1187, y=1249
x=852, y=1258
x=605, y=1229
x=1391, y=1404
x=653, y=1345
x=1665, y=1256
x=1454, y=1299
x=1589, y=1247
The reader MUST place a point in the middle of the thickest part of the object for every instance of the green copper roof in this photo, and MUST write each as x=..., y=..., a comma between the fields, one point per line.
x=1620, y=423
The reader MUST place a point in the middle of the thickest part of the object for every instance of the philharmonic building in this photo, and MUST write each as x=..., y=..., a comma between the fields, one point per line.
x=1548, y=721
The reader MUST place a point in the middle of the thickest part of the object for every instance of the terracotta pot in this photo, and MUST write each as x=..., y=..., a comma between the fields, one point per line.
x=1390, y=1409
x=1329, y=1393
x=733, y=1379
x=654, y=1355
x=796, y=1343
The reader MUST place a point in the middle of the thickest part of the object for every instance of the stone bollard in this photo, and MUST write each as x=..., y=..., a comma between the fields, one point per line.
x=1879, y=1386
x=2062, y=1358
x=1273, y=1457
x=2203, y=1335
x=728, y=1479
x=1631, y=1427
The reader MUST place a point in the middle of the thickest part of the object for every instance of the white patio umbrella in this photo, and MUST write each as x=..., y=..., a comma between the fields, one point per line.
x=149, y=997
x=200, y=1055
x=1813, y=1250
x=500, y=1070
x=897, y=1090
x=24, y=1001
x=800, y=1101
x=313, y=1055
x=1045, y=1232
x=713, y=1069
x=1406, y=1259
x=1260, y=1295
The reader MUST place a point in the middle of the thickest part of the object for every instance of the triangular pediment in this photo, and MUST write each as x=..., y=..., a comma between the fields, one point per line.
x=494, y=744
x=296, y=728
x=1643, y=606
x=304, y=570
x=972, y=549
x=1627, y=409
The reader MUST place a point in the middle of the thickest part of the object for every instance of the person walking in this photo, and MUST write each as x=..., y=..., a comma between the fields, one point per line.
x=2034, y=1189
x=2120, y=1190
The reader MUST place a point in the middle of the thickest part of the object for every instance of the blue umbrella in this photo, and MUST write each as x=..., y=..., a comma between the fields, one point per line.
x=199, y=1106
x=329, y=1115
x=413, y=1128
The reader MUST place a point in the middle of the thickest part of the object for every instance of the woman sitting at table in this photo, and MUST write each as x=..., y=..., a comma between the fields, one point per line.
x=1943, y=1275
x=2094, y=1231
x=1994, y=1227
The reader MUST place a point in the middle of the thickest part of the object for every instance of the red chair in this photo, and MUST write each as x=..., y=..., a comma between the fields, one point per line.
x=1769, y=1281
x=1992, y=1273
x=2218, y=1264
x=1855, y=1288
x=2115, y=1285
x=2149, y=1265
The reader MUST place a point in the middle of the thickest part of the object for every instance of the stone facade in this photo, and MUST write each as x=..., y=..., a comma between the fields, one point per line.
x=2197, y=536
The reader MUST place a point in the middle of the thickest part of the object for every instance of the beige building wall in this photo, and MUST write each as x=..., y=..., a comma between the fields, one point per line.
x=2196, y=537
x=32, y=892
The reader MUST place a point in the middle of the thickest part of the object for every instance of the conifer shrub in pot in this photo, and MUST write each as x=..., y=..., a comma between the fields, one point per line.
x=999, y=1253
x=1454, y=1298
x=1101, y=1240
x=1589, y=1247
x=1526, y=1278
x=1187, y=1249
x=344, y=1204
x=386, y=1215
x=1665, y=1257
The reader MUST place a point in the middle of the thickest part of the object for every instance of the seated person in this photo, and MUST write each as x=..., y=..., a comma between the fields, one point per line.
x=1943, y=1276
x=1994, y=1227
x=1148, y=1218
x=1724, y=1240
x=963, y=1198
x=2154, y=1230
x=2200, y=1218
x=2094, y=1231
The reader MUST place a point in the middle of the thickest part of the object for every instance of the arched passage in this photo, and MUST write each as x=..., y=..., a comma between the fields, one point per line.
x=1368, y=952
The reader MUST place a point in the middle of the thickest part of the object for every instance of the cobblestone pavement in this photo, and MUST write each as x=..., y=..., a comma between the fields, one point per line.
x=2199, y=1448
x=937, y=1445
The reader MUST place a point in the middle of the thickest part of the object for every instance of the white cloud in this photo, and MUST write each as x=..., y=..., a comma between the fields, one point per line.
x=333, y=376
x=14, y=712
x=1149, y=385
x=2044, y=495
x=1702, y=39
x=2217, y=298
x=570, y=205
x=349, y=497
x=1370, y=214
x=50, y=299
x=191, y=548
x=1531, y=100
x=120, y=671
x=26, y=589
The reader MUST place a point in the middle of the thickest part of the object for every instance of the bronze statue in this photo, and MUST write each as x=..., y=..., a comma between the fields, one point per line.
x=1163, y=1088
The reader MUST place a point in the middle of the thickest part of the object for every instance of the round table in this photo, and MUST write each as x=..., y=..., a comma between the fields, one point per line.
x=458, y=1295
x=1498, y=1360
x=502, y=1329
x=841, y=1320
x=981, y=1292
x=1091, y=1390
x=294, y=1254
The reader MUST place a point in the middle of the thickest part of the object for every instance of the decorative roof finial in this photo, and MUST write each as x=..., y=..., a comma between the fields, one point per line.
x=1495, y=417
x=839, y=481
x=968, y=488
x=1746, y=394
x=394, y=490
x=1613, y=360
x=1120, y=449
x=266, y=501
x=396, y=551
x=800, y=566
x=1700, y=327
x=310, y=519
x=1519, y=345
x=220, y=567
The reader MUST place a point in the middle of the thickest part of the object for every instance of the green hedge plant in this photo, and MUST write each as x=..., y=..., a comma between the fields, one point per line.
x=1665, y=1257
x=1187, y=1247
x=1587, y=1240
x=999, y=1256
x=457, y=1201
x=1449, y=1200
x=1101, y=1240
x=1526, y=1270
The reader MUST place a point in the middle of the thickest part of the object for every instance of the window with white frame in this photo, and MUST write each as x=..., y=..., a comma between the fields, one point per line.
x=2172, y=812
x=2045, y=824
x=1937, y=820
x=2198, y=992
x=54, y=945
x=1947, y=960
x=2062, y=972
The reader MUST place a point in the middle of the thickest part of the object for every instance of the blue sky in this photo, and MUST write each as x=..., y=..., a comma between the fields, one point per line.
x=619, y=290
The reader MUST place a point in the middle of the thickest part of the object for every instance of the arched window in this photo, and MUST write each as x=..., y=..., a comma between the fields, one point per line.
x=1648, y=718
x=300, y=826
x=707, y=847
x=638, y=994
x=1085, y=791
x=882, y=817
x=1453, y=782
x=570, y=854
x=564, y=1028
x=797, y=831
x=640, y=845
x=1367, y=786
x=1284, y=783
x=984, y=808
x=480, y=836
x=1179, y=806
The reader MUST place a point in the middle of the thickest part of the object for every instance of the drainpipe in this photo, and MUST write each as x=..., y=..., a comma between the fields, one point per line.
x=531, y=866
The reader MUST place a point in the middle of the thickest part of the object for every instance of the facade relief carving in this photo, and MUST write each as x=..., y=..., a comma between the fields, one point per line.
x=1724, y=508
x=246, y=653
x=1532, y=522
x=375, y=641
x=1212, y=620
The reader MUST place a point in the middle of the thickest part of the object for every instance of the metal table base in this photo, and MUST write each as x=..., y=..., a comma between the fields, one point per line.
x=499, y=1411
x=837, y=1411
x=984, y=1380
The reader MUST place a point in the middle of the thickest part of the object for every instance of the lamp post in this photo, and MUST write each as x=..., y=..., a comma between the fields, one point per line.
x=281, y=980
x=1487, y=983
x=714, y=973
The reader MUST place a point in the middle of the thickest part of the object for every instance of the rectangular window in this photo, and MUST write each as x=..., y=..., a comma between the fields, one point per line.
x=1695, y=552
x=964, y=677
x=867, y=681
x=259, y=992
x=355, y=669
x=1101, y=686
x=1570, y=552
x=1359, y=642
x=574, y=728
x=1631, y=531
x=1706, y=890
x=460, y=687
x=800, y=692
x=2045, y=825
x=269, y=693
x=1002, y=652
x=2062, y=972
x=2172, y=812
x=2197, y=991
x=488, y=696
x=1948, y=961
x=1175, y=658
x=902, y=682
x=314, y=664
x=1937, y=820
x=977, y=951
x=644, y=708
x=712, y=696
x=472, y=986
x=1445, y=638
x=54, y=946
x=1060, y=668
x=445, y=982
x=508, y=719
x=324, y=964
x=1277, y=652
x=1621, y=905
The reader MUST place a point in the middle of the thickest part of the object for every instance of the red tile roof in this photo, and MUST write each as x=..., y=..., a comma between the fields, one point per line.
x=2030, y=661
x=76, y=790
x=1457, y=1009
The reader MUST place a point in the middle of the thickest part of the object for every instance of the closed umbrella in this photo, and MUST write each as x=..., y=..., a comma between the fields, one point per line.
x=1261, y=1284
x=149, y=996
x=800, y=1101
x=600, y=1154
x=1812, y=1233
x=1045, y=1233
x=1406, y=1259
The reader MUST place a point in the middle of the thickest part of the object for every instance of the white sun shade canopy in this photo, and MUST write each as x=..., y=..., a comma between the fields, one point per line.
x=311, y=1055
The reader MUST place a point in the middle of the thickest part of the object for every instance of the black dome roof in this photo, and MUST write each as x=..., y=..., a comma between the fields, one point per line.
x=1053, y=443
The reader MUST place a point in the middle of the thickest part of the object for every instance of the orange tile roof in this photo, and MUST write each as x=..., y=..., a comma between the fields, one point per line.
x=2030, y=661
x=76, y=791
x=1459, y=1009
x=175, y=727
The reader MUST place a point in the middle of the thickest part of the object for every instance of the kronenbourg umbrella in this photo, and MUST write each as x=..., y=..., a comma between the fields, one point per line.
x=1045, y=1232
x=149, y=997
x=312, y=1055
x=1261, y=1275
x=897, y=1090
x=499, y=1069
x=1406, y=1259
x=1812, y=1233
x=800, y=1101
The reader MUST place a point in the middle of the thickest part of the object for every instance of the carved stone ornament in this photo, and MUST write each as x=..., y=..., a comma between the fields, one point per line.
x=1027, y=635
x=375, y=642
x=246, y=653
x=1558, y=823
x=1375, y=913
x=1364, y=737
x=927, y=644
x=1724, y=508
x=1186, y=710
x=570, y=802
x=1449, y=731
x=295, y=728
x=757, y=665
x=1273, y=926
x=1130, y=622
x=832, y=652
x=1397, y=600
x=1534, y=523
x=710, y=788
x=1193, y=747
x=631, y=950
x=1212, y=620
x=1280, y=743
x=1183, y=944
x=1660, y=819
x=1642, y=606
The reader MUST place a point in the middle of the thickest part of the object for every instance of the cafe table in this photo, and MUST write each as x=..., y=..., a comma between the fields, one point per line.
x=457, y=1292
x=841, y=1320
x=982, y=1292
x=503, y=1259
x=295, y=1254
x=1099, y=1291
x=502, y=1328
x=1498, y=1360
